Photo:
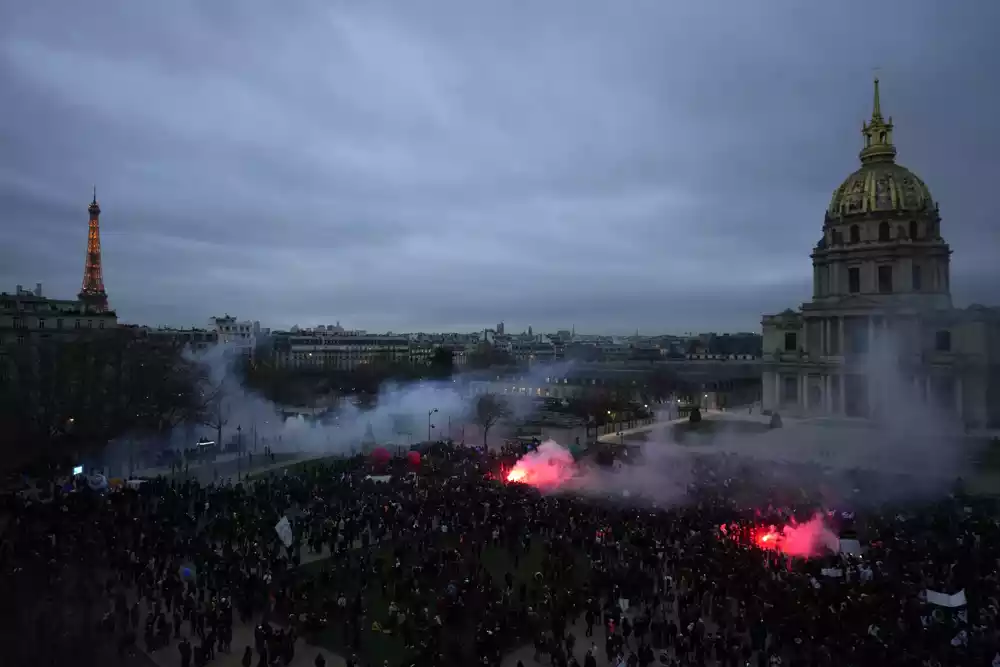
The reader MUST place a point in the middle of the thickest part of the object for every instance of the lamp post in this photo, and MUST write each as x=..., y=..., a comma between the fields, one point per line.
x=429, y=424
x=239, y=451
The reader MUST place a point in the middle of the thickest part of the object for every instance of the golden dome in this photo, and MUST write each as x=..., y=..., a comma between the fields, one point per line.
x=880, y=185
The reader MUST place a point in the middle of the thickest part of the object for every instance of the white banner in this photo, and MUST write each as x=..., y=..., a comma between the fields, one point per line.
x=284, y=530
x=945, y=600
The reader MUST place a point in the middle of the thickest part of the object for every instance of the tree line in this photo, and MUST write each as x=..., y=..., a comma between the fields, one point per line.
x=71, y=397
x=301, y=385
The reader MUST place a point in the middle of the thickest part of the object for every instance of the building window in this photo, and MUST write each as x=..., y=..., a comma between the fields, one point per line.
x=942, y=341
x=883, y=232
x=918, y=278
x=78, y=324
x=854, y=280
x=100, y=325
x=41, y=323
x=855, y=234
x=59, y=323
x=913, y=230
x=791, y=342
x=885, y=279
x=17, y=323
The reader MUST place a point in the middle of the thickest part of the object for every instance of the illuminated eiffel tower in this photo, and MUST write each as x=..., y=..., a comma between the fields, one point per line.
x=92, y=293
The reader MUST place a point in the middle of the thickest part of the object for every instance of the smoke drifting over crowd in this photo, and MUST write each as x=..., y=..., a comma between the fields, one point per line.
x=661, y=480
x=402, y=414
x=910, y=448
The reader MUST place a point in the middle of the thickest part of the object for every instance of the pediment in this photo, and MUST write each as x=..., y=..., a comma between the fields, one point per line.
x=857, y=302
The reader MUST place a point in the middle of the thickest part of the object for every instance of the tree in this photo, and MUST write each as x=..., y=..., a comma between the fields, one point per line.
x=61, y=398
x=442, y=363
x=487, y=355
x=216, y=412
x=661, y=383
x=489, y=410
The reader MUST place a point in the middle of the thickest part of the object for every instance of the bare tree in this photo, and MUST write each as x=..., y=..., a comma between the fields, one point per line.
x=216, y=412
x=489, y=410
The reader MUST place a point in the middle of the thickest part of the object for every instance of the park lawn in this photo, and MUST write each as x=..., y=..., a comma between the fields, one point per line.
x=707, y=429
x=294, y=467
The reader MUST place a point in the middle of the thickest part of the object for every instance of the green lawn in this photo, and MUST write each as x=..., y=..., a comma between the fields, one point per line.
x=296, y=467
x=707, y=429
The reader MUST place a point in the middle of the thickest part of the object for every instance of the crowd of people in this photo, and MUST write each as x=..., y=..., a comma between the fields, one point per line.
x=444, y=562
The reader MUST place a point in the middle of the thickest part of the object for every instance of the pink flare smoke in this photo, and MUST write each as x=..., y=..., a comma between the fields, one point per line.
x=803, y=540
x=546, y=469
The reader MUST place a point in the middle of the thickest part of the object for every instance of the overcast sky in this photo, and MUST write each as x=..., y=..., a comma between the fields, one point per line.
x=445, y=165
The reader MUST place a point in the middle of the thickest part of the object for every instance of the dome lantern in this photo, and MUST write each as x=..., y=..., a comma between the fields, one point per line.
x=878, y=135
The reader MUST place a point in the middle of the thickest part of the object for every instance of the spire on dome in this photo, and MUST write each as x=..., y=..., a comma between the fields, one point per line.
x=877, y=105
x=878, y=134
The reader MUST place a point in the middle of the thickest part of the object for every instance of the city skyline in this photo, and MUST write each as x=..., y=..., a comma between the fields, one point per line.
x=411, y=170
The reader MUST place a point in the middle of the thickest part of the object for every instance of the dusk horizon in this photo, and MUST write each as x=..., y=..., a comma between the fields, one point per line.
x=445, y=169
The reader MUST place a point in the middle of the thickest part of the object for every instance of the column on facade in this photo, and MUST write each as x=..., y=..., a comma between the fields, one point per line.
x=827, y=390
x=777, y=390
x=804, y=391
x=842, y=387
x=843, y=341
x=823, y=325
x=871, y=333
x=959, y=400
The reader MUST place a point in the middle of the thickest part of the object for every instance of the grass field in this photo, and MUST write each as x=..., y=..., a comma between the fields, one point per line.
x=707, y=429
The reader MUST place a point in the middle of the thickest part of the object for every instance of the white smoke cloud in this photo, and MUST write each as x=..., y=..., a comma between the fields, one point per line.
x=911, y=449
x=403, y=413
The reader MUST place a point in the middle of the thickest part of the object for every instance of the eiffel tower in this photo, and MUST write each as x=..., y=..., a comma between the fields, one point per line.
x=92, y=293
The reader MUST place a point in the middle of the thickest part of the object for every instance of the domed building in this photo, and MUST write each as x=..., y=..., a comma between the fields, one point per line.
x=881, y=295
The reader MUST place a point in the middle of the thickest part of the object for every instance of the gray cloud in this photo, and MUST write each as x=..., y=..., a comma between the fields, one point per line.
x=447, y=164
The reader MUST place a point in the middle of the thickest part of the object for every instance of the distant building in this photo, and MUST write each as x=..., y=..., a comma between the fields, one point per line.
x=28, y=314
x=242, y=335
x=340, y=350
x=194, y=339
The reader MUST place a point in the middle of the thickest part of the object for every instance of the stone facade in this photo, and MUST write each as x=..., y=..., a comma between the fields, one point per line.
x=882, y=307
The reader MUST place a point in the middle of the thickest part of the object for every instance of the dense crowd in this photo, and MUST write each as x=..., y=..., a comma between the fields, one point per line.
x=445, y=563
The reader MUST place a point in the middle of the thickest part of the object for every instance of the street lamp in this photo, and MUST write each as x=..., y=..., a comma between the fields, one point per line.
x=429, y=424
